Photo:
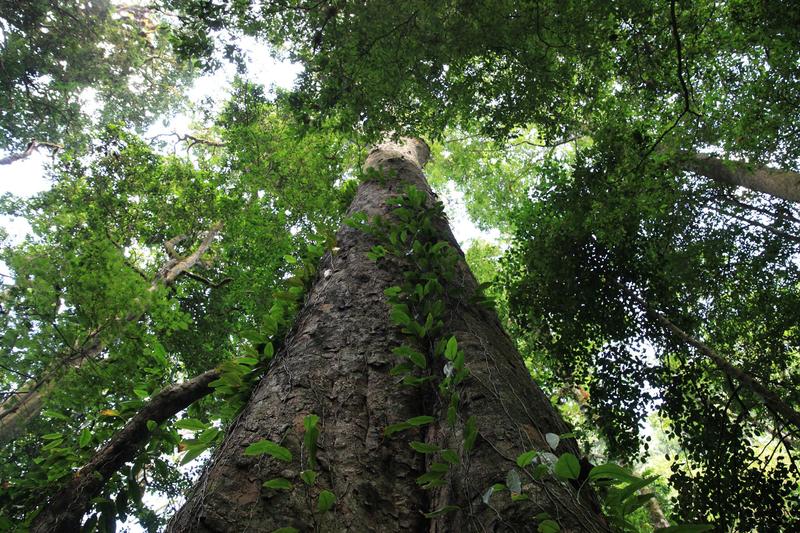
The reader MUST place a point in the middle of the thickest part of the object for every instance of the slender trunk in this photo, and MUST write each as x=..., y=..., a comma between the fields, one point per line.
x=778, y=183
x=336, y=364
x=771, y=400
x=65, y=510
x=28, y=400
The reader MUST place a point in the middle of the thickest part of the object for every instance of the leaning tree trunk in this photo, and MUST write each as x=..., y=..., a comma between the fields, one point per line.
x=775, y=182
x=336, y=364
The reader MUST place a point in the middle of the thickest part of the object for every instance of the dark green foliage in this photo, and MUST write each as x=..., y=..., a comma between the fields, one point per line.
x=580, y=243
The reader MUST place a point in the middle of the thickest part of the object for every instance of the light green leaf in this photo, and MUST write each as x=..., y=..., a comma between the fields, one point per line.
x=191, y=424
x=524, y=459
x=308, y=477
x=613, y=471
x=451, y=349
x=267, y=446
x=85, y=438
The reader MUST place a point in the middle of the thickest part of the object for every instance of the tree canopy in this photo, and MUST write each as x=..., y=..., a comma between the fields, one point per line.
x=639, y=160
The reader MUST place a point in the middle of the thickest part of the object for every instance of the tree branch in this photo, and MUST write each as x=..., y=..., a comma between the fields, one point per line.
x=33, y=146
x=770, y=399
x=16, y=411
x=783, y=184
x=65, y=510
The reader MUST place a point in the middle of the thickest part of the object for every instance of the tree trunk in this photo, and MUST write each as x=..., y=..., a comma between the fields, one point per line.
x=336, y=364
x=778, y=183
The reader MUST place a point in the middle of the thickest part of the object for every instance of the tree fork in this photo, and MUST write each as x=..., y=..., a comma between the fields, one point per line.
x=336, y=363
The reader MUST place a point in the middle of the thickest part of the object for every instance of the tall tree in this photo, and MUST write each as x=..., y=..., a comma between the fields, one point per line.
x=392, y=452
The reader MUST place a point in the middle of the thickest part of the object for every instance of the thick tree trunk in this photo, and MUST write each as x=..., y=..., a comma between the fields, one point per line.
x=778, y=183
x=336, y=365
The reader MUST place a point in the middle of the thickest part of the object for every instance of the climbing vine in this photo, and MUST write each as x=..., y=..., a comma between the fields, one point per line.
x=430, y=356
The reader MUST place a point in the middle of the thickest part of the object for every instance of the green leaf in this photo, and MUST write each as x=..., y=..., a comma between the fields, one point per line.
x=444, y=510
x=310, y=438
x=567, y=466
x=548, y=526
x=54, y=414
x=420, y=420
x=450, y=456
x=391, y=292
x=85, y=438
x=269, y=351
x=290, y=259
x=286, y=530
x=279, y=483
x=611, y=470
x=400, y=317
x=394, y=428
x=451, y=348
x=192, y=452
x=524, y=459
x=141, y=393
x=267, y=446
x=308, y=477
x=470, y=433
x=191, y=424
x=399, y=370
x=413, y=355
x=423, y=447
x=325, y=501
x=152, y=425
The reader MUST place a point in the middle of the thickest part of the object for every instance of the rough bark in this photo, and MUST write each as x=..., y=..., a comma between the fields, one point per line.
x=27, y=401
x=336, y=364
x=778, y=183
x=65, y=510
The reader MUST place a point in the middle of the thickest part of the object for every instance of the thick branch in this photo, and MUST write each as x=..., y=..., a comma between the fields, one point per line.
x=33, y=146
x=783, y=184
x=65, y=510
x=770, y=399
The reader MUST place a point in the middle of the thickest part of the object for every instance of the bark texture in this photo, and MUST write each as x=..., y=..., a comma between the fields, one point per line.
x=65, y=510
x=779, y=183
x=336, y=364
